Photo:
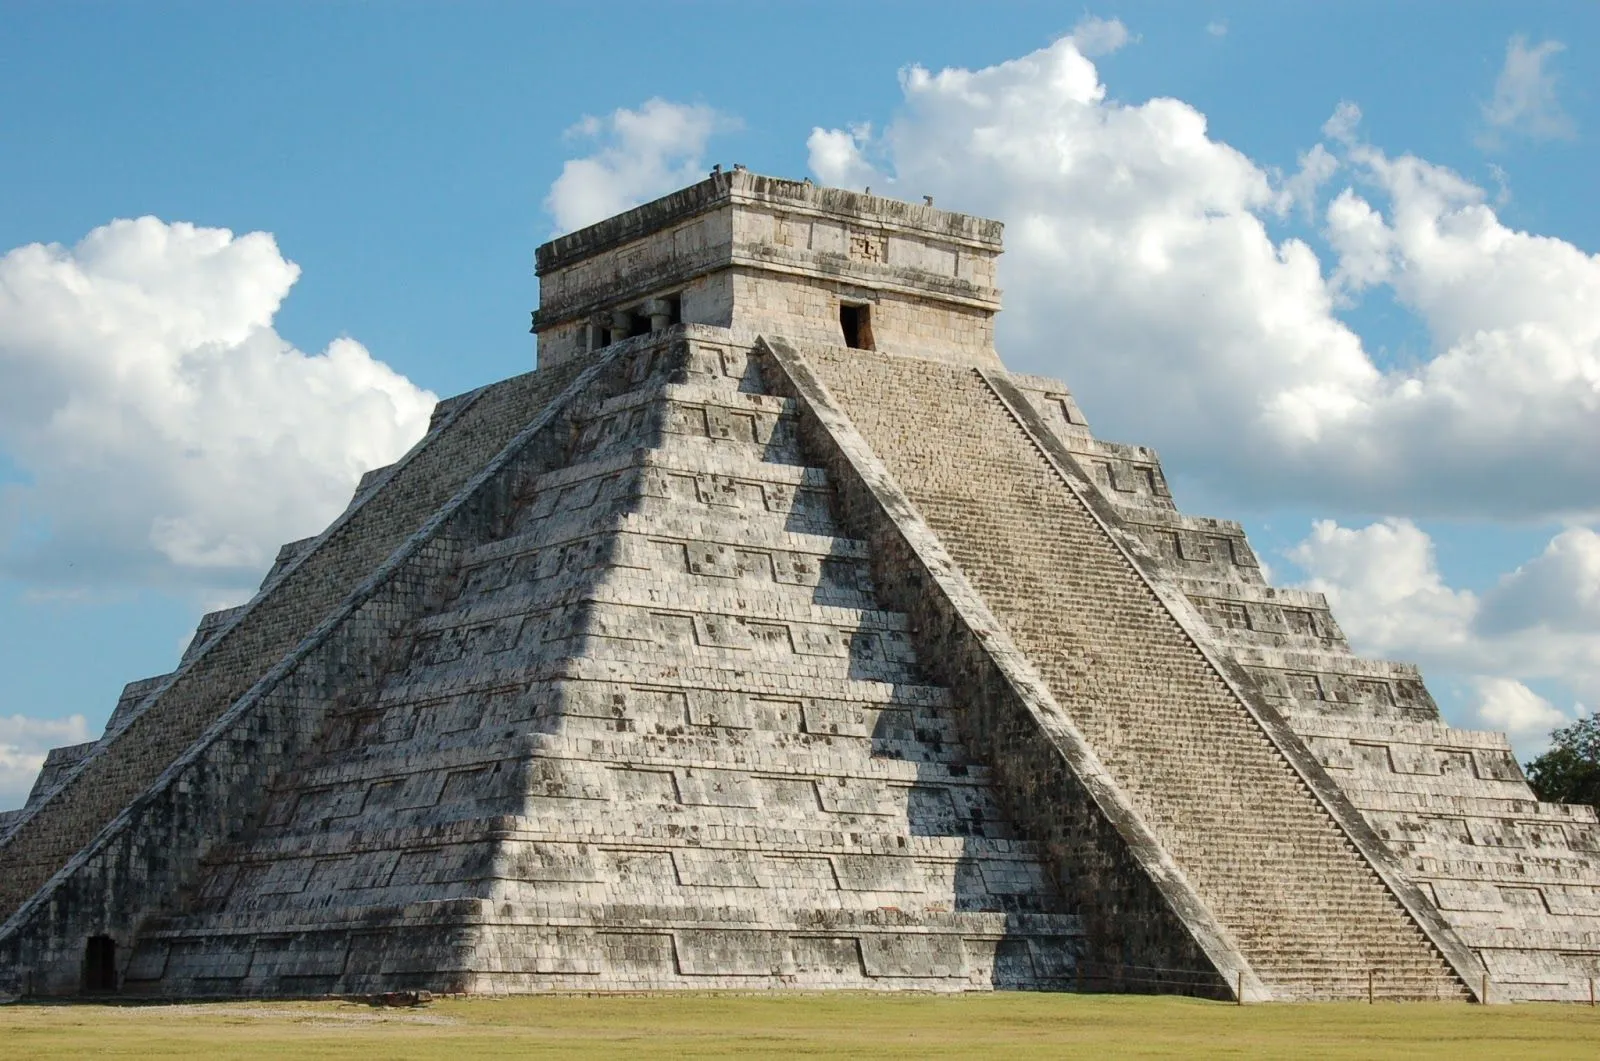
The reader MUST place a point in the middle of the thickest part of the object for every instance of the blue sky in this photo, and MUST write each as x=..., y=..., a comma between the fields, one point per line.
x=403, y=156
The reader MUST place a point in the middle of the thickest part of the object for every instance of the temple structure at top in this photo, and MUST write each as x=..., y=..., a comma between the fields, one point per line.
x=758, y=255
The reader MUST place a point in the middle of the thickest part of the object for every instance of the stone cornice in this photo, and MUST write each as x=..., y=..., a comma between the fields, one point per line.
x=801, y=197
x=622, y=289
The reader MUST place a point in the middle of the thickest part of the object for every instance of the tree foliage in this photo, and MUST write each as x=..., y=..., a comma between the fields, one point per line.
x=1569, y=772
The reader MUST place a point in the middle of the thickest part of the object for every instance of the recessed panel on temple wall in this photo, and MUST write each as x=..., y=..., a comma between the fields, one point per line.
x=868, y=251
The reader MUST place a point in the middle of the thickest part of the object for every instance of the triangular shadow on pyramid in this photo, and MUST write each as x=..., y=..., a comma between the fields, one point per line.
x=660, y=695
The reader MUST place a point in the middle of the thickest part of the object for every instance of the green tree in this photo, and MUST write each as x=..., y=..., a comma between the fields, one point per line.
x=1569, y=772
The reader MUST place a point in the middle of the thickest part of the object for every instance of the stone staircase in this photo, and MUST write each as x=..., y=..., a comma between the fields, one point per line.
x=1310, y=914
x=1517, y=880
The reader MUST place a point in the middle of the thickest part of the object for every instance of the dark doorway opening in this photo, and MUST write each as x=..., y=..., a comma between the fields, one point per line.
x=856, y=323
x=100, y=964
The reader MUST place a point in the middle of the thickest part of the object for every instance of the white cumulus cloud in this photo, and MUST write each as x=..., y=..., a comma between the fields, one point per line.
x=1317, y=167
x=23, y=744
x=1138, y=250
x=165, y=434
x=1514, y=709
x=838, y=152
x=1540, y=621
x=1558, y=590
x=1099, y=36
x=1384, y=585
x=640, y=154
x=1525, y=100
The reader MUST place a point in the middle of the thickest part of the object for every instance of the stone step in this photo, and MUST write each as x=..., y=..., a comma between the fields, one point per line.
x=1509, y=931
x=543, y=898
x=1401, y=731
x=801, y=758
x=1456, y=862
x=772, y=650
x=640, y=593
x=707, y=392
x=673, y=519
x=506, y=676
x=1236, y=638
x=666, y=916
x=784, y=671
x=1421, y=794
x=707, y=446
x=752, y=714
x=348, y=837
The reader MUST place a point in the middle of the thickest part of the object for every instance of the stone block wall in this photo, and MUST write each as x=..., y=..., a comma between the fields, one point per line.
x=807, y=308
x=128, y=826
x=758, y=254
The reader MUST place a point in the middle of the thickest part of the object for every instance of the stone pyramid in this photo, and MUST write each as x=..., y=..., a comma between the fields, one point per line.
x=771, y=634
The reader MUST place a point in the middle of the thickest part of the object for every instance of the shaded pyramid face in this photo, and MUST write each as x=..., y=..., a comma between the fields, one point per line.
x=655, y=731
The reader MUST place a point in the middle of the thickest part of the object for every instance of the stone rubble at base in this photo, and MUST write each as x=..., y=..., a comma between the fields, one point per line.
x=772, y=634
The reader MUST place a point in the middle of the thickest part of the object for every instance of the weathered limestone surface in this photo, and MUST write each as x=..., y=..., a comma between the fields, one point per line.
x=719, y=653
x=755, y=253
x=656, y=732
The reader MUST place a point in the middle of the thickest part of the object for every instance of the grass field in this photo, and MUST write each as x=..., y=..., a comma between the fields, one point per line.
x=800, y=1025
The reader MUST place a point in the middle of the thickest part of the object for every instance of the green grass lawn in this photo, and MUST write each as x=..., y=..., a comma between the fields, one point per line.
x=800, y=1025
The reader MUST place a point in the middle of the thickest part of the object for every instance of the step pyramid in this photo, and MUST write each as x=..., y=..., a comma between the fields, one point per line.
x=771, y=634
